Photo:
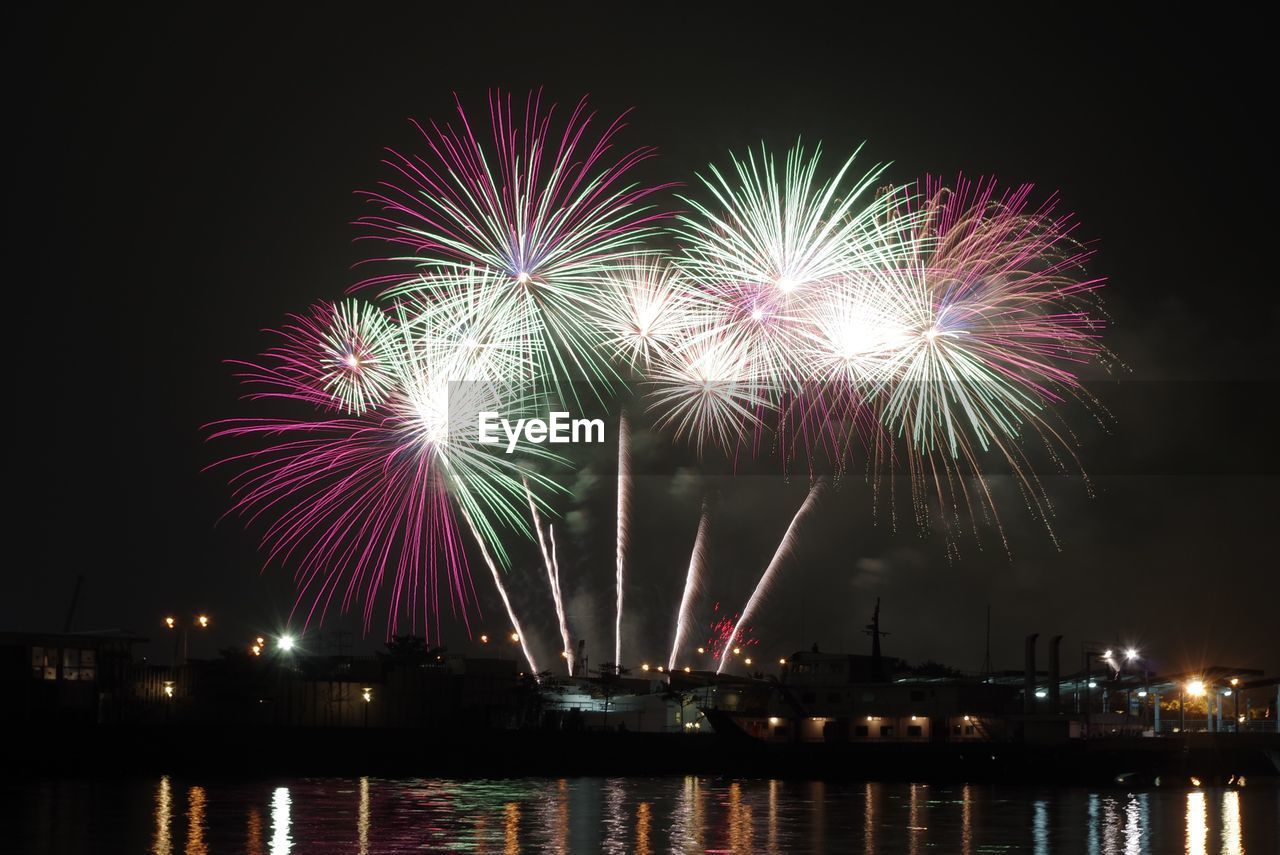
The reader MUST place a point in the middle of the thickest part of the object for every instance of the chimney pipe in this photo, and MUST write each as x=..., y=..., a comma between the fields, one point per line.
x=1054, y=674
x=1029, y=679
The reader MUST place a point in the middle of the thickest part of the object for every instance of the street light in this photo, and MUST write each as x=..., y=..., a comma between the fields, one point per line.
x=1235, y=681
x=1131, y=654
x=171, y=623
x=746, y=661
x=484, y=639
x=702, y=650
x=286, y=643
x=515, y=638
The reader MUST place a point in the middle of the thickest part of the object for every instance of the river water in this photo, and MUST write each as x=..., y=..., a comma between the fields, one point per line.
x=169, y=815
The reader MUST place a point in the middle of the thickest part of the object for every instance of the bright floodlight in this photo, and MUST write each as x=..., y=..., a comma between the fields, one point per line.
x=1131, y=654
x=286, y=642
x=1195, y=688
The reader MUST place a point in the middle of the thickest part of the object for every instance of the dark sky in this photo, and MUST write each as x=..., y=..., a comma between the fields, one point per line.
x=180, y=182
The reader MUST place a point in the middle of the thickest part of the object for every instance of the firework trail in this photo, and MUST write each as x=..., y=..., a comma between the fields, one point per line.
x=770, y=572
x=553, y=577
x=692, y=582
x=624, y=524
x=506, y=600
x=560, y=613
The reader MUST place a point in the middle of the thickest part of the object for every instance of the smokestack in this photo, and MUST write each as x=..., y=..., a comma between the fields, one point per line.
x=1054, y=673
x=1029, y=679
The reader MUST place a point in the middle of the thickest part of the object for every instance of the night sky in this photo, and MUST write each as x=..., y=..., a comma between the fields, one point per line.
x=181, y=182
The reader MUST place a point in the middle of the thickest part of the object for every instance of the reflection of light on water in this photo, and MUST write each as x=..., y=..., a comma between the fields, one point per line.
x=740, y=836
x=615, y=820
x=1040, y=827
x=1110, y=826
x=917, y=818
x=552, y=818
x=966, y=820
x=772, y=841
x=1135, y=816
x=511, y=827
x=1093, y=824
x=868, y=817
x=686, y=819
x=163, y=845
x=1197, y=824
x=253, y=842
x=1232, y=843
x=818, y=818
x=642, y=829
x=280, y=840
x=195, y=822
x=362, y=819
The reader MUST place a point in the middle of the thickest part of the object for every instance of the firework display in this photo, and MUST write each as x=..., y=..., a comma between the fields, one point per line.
x=822, y=319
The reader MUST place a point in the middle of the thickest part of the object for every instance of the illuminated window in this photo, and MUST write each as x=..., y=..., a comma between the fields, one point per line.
x=44, y=663
x=78, y=664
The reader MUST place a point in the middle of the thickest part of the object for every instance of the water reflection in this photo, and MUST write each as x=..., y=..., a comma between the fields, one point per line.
x=869, y=817
x=917, y=820
x=362, y=819
x=688, y=824
x=281, y=842
x=253, y=839
x=1232, y=836
x=1197, y=824
x=771, y=841
x=168, y=816
x=162, y=844
x=642, y=829
x=1093, y=831
x=1135, y=814
x=511, y=828
x=195, y=822
x=739, y=819
x=966, y=820
x=1040, y=827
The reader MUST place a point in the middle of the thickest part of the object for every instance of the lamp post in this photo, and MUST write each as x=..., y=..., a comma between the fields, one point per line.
x=179, y=630
x=1235, y=690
